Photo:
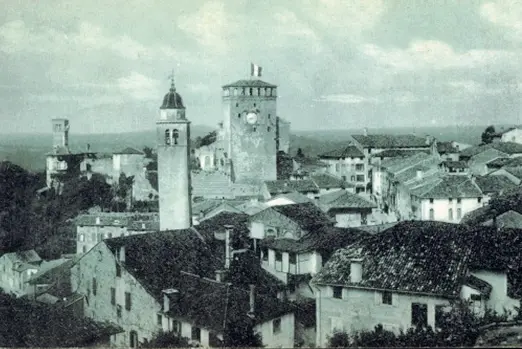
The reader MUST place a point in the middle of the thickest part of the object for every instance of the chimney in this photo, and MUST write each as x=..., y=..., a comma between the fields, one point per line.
x=170, y=296
x=419, y=174
x=356, y=270
x=365, y=131
x=252, y=310
x=228, y=232
x=220, y=275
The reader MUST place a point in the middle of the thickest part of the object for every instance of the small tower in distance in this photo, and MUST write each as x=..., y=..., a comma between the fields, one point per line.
x=60, y=135
x=173, y=147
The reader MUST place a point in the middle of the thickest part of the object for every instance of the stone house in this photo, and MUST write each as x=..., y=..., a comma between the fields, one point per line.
x=52, y=283
x=17, y=268
x=448, y=151
x=348, y=163
x=124, y=280
x=348, y=209
x=389, y=278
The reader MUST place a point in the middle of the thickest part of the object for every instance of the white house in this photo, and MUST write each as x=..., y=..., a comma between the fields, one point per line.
x=16, y=269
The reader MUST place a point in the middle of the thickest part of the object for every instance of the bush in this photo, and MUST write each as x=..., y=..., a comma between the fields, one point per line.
x=167, y=340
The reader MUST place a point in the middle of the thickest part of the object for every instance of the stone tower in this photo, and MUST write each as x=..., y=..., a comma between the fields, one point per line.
x=173, y=142
x=250, y=116
x=60, y=135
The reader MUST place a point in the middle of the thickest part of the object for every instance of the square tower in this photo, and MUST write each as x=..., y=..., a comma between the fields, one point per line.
x=250, y=122
x=60, y=134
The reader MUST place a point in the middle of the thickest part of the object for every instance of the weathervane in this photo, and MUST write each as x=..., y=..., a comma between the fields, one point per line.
x=171, y=77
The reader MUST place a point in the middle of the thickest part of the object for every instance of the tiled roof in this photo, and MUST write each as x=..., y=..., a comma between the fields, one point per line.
x=509, y=148
x=343, y=199
x=129, y=151
x=391, y=141
x=323, y=239
x=283, y=186
x=104, y=219
x=449, y=186
x=307, y=216
x=28, y=256
x=397, y=165
x=424, y=257
x=446, y=147
x=249, y=83
x=499, y=162
x=148, y=225
x=208, y=227
x=328, y=181
x=510, y=219
x=480, y=285
x=350, y=151
x=455, y=164
x=494, y=184
x=295, y=197
x=515, y=171
x=213, y=305
x=219, y=185
x=396, y=153
x=50, y=270
x=156, y=259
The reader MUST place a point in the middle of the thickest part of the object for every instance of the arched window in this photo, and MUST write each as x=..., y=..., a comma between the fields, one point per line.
x=167, y=137
x=250, y=91
x=175, y=135
x=133, y=339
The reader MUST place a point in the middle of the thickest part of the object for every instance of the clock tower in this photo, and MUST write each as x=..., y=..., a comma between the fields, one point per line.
x=173, y=143
x=250, y=117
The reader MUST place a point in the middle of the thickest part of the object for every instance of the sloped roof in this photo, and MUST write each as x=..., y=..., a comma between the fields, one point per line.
x=424, y=257
x=504, y=147
x=343, y=199
x=213, y=305
x=515, y=171
x=249, y=83
x=50, y=270
x=147, y=225
x=395, y=153
x=391, y=141
x=480, y=285
x=323, y=239
x=209, y=226
x=308, y=216
x=129, y=151
x=104, y=219
x=28, y=256
x=283, y=186
x=446, y=147
x=510, y=219
x=455, y=164
x=449, y=187
x=329, y=181
x=499, y=162
x=350, y=151
x=494, y=184
x=156, y=259
x=295, y=197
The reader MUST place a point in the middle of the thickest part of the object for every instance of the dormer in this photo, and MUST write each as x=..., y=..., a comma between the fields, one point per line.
x=170, y=297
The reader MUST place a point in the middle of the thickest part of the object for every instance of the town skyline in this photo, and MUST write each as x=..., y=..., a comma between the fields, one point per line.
x=366, y=64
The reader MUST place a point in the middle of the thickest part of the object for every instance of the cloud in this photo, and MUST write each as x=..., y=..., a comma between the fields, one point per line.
x=209, y=25
x=506, y=14
x=140, y=87
x=347, y=99
x=436, y=55
x=473, y=87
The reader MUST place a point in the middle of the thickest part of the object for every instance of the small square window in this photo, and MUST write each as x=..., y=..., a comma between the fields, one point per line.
x=113, y=296
x=431, y=201
x=128, y=304
x=479, y=200
x=276, y=326
x=292, y=258
x=118, y=270
x=337, y=292
x=118, y=310
x=159, y=320
x=278, y=256
x=475, y=297
x=458, y=201
x=387, y=298
x=264, y=251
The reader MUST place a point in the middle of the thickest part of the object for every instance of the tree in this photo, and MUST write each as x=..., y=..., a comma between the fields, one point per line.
x=148, y=151
x=488, y=135
x=167, y=340
x=240, y=333
x=300, y=153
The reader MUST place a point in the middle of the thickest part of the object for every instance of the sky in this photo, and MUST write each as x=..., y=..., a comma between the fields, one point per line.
x=338, y=64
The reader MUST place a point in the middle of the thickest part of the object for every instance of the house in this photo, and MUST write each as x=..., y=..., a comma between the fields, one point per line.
x=52, y=282
x=125, y=280
x=17, y=268
x=455, y=167
x=328, y=183
x=494, y=185
x=514, y=174
x=348, y=163
x=409, y=274
x=448, y=151
x=283, y=186
x=477, y=157
x=288, y=199
x=287, y=221
x=512, y=134
x=348, y=209
x=209, y=208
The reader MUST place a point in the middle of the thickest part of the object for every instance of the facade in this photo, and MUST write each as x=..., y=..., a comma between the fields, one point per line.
x=174, y=178
x=360, y=287
x=17, y=268
x=512, y=135
x=283, y=135
x=250, y=122
x=347, y=209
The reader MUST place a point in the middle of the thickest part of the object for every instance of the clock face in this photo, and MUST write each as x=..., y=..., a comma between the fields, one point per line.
x=251, y=118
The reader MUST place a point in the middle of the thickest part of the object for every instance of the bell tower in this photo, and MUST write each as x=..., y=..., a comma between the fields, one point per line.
x=173, y=147
x=60, y=134
x=250, y=117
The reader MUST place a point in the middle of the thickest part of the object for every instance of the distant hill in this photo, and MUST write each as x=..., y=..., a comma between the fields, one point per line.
x=28, y=150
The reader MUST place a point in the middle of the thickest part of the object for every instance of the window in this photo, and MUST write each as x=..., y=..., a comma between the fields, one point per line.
x=264, y=251
x=359, y=167
x=94, y=286
x=195, y=334
x=82, y=237
x=133, y=339
x=238, y=115
x=479, y=200
x=458, y=201
x=292, y=258
x=118, y=270
x=235, y=94
x=175, y=135
x=268, y=129
x=254, y=105
x=176, y=327
x=360, y=178
x=237, y=104
x=128, y=304
x=118, y=310
x=450, y=214
x=432, y=214
x=337, y=167
x=278, y=256
x=387, y=298
x=337, y=292
x=431, y=201
x=450, y=200
x=439, y=312
x=459, y=213
x=113, y=296
x=159, y=320
x=276, y=326
x=419, y=315
x=167, y=137
x=291, y=287
x=475, y=297
x=84, y=248
x=214, y=341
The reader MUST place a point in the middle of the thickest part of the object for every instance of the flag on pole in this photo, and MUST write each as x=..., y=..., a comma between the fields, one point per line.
x=255, y=70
